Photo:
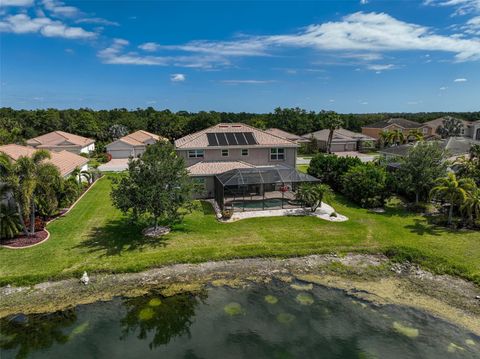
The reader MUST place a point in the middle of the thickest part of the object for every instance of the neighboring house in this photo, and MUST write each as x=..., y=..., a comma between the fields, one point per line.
x=342, y=140
x=65, y=161
x=374, y=130
x=59, y=141
x=287, y=135
x=231, y=146
x=471, y=129
x=454, y=146
x=132, y=145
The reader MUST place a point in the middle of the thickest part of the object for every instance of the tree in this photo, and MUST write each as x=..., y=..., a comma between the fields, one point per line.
x=9, y=221
x=453, y=191
x=117, y=130
x=384, y=138
x=414, y=135
x=332, y=122
x=28, y=177
x=420, y=168
x=366, y=184
x=312, y=194
x=472, y=204
x=395, y=137
x=78, y=174
x=156, y=185
x=329, y=169
x=451, y=127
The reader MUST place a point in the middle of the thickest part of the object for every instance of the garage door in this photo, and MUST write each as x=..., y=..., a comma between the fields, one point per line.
x=338, y=147
x=352, y=146
x=120, y=153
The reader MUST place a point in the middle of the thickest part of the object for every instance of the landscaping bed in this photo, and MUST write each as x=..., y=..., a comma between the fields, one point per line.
x=25, y=241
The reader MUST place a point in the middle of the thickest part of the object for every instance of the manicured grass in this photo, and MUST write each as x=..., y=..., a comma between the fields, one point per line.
x=96, y=237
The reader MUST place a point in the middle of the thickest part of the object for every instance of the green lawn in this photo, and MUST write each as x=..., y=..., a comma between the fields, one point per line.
x=96, y=237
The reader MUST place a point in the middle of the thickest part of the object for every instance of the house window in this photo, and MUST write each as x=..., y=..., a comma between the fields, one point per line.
x=224, y=153
x=424, y=130
x=245, y=152
x=277, y=154
x=195, y=154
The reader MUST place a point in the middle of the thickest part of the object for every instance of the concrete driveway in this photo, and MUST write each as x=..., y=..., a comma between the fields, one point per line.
x=114, y=165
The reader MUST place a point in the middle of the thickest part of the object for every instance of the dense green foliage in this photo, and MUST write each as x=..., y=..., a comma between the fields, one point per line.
x=420, y=168
x=155, y=185
x=106, y=125
x=366, y=184
x=94, y=236
x=329, y=169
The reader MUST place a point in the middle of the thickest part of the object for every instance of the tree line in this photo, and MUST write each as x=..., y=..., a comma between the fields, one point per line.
x=102, y=125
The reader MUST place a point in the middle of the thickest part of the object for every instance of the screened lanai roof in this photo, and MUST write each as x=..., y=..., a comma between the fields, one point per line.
x=266, y=174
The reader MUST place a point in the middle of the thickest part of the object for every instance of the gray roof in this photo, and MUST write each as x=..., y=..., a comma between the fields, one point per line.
x=455, y=146
x=402, y=122
x=340, y=135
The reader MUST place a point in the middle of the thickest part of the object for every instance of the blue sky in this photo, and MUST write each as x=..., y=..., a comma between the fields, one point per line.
x=347, y=56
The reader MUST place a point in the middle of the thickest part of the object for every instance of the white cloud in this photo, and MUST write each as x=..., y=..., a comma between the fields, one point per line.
x=177, y=77
x=20, y=3
x=97, y=21
x=443, y=88
x=22, y=24
x=363, y=2
x=462, y=7
x=60, y=9
x=381, y=67
x=460, y=80
x=149, y=46
x=254, y=82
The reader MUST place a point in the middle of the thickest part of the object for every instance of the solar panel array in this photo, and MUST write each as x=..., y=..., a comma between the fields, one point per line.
x=231, y=139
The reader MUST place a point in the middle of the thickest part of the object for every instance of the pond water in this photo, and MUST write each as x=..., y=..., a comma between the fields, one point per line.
x=261, y=321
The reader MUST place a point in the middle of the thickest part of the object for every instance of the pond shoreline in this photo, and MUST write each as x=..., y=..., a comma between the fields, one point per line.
x=368, y=277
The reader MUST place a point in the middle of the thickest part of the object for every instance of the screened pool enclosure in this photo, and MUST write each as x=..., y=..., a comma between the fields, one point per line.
x=259, y=188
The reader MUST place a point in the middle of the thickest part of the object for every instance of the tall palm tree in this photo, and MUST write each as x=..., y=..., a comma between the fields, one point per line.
x=452, y=190
x=472, y=204
x=332, y=122
x=396, y=137
x=78, y=174
x=384, y=138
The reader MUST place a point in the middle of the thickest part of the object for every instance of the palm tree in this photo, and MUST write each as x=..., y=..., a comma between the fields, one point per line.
x=312, y=194
x=452, y=190
x=475, y=153
x=9, y=221
x=78, y=174
x=332, y=122
x=384, y=138
x=414, y=135
x=28, y=177
x=396, y=137
x=472, y=204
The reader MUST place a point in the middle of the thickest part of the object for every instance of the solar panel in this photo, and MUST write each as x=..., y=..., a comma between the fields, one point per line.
x=250, y=139
x=240, y=138
x=231, y=138
x=212, y=139
x=222, y=139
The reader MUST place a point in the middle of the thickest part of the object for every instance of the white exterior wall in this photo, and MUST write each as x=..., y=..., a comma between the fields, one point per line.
x=88, y=149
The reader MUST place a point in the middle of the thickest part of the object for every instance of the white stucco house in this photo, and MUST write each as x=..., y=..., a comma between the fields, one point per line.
x=58, y=141
x=132, y=145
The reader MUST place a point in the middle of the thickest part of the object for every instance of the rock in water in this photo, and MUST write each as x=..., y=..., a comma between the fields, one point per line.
x=85, y=278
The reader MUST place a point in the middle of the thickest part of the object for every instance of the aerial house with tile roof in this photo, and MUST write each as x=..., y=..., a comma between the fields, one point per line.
x=57, y=141
x=243, y=167
x=132, y=145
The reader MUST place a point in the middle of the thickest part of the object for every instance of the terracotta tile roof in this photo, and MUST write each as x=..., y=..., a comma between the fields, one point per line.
x=210, y=168
x=65, y=161
x=59, y=139
x=199, y=139
x=402, y=122
x=281, y=133
x=139, y=138
x=338, y=135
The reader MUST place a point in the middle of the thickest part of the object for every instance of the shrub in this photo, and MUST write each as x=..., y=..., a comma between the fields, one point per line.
x=312, y=194
x=330, y=168
x=365, y=184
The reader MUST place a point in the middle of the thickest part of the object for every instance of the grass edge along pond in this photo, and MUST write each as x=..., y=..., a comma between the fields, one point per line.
x=96, y=237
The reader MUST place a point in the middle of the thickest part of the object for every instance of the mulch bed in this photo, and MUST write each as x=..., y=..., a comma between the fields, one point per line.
x=25, y=241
